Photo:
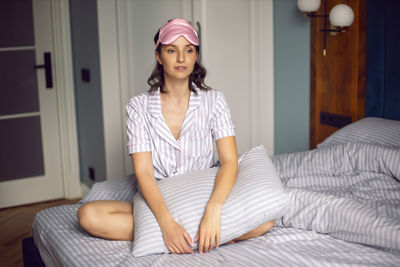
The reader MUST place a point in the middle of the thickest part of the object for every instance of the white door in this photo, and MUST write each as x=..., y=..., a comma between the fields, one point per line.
x=236, y=49
x=30, y=163
x=138, y=22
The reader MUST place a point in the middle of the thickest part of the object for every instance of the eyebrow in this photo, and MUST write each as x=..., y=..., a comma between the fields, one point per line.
x=176, y=46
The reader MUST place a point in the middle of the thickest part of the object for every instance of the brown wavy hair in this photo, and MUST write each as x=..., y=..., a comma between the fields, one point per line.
x=156, y=79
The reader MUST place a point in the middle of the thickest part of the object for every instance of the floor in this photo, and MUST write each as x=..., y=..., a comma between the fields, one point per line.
x=15, y=225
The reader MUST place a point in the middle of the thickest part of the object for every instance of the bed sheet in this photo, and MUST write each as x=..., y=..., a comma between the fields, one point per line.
x=62, y=242
x=345, y=210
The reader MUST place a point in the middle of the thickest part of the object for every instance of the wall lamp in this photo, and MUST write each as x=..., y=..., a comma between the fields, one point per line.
x=340, y=17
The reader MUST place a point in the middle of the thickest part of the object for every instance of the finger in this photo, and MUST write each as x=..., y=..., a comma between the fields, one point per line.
x=171, y=249
x=196, y=239
x=212, y=242
x=207, y=244
x=181, y=250
x=185, y=247
x=188, y=243
x=201, y=243
x=218, y=239
x=188, y=238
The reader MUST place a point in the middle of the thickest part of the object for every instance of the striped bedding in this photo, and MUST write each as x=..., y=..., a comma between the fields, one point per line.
x=345, y=210
x=370, y=130
x=349, y=191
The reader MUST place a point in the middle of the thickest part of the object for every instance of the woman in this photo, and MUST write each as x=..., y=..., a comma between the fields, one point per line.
x=170, y=131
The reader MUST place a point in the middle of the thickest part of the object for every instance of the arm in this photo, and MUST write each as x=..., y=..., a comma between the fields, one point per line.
x=175, y=237
x=208, y=235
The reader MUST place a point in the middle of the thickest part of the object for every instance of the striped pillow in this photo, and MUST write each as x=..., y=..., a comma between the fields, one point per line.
x=368, y=130
x=119, y=189
x=257, y=197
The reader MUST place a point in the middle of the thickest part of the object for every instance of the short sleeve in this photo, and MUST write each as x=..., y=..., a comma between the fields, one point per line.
x=221, y=122
x=138, y=137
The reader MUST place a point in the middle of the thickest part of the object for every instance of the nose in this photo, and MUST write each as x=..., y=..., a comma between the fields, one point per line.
x=181, y=57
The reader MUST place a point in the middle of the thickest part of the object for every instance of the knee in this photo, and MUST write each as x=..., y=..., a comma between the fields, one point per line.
x=87, y=216
x=267, y=227
x=264, y=228
x=259, y=231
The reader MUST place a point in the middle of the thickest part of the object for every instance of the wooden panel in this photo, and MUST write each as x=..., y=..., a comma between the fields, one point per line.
x=16, y=224
x=337, y=79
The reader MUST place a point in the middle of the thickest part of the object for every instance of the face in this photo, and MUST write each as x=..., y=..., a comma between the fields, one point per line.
x=177, y=59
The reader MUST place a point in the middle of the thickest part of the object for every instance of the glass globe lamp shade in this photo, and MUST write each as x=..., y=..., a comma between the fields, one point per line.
x=308, y=5
x=341, y=16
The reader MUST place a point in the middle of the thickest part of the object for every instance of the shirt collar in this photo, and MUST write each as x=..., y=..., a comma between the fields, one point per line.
x=155, y=101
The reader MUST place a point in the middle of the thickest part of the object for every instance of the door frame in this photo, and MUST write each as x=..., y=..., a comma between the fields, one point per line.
x=66, y=99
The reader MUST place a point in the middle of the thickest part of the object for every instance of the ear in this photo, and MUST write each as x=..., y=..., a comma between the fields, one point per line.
x=158, y=58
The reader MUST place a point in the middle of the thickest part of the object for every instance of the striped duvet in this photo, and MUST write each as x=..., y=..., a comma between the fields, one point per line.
x=345, y=210
x=349, y=191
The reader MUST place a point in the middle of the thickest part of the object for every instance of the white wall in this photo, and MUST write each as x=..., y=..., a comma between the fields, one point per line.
x=237, y=50
x=110, y=86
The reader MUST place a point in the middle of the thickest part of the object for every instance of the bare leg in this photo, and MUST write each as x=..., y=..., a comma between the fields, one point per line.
x=109, y=219
x=259, y=231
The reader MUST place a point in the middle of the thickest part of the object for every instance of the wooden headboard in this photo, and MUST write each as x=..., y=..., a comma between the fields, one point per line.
x=337, y=79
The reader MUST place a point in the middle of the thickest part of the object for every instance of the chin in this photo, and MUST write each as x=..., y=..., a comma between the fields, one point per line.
x=180, y=76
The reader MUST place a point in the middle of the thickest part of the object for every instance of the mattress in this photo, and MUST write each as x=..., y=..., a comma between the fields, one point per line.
x=62, y=242
x=345, y=210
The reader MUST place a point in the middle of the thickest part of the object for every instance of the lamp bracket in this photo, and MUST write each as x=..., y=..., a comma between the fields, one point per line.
x=332, y=30
x=316, y=15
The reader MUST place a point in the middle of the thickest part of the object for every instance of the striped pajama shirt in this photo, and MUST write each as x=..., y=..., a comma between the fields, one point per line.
x=207, y=118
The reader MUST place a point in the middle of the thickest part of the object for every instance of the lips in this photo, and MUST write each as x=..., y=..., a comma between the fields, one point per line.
x=180, y=68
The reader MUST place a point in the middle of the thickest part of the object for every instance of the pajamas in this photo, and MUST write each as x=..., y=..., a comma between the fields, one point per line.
x=207, y=118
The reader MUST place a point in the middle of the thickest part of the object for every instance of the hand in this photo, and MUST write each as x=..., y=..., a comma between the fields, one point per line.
x=209, y=231
x=176, y=238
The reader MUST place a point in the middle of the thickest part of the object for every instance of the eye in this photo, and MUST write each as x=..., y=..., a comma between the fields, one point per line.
x=189, y=50
x=171, y=50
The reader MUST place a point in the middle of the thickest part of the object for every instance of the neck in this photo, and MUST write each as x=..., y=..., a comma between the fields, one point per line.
x=177, y=89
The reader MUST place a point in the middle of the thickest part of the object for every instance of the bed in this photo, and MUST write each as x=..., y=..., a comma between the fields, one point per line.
x=344, y=210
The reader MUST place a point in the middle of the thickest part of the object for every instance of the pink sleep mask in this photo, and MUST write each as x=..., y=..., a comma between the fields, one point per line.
x=176, y=28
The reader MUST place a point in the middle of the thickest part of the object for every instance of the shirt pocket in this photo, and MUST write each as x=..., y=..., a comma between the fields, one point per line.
x=199, y=143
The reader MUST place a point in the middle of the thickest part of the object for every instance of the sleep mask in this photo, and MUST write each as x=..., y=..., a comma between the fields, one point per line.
x=176, y=28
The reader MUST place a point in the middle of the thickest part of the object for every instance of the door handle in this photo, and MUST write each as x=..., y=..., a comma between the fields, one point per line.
x=47, y=68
